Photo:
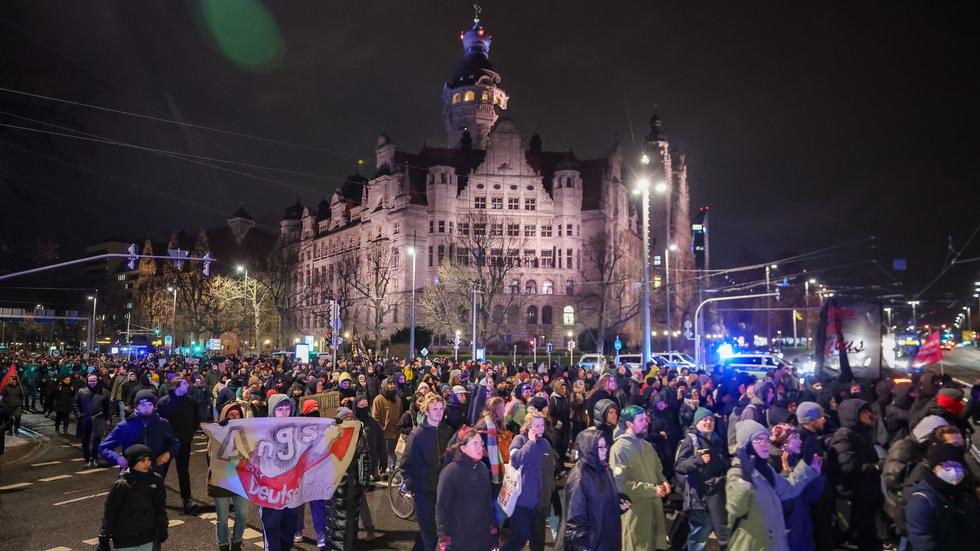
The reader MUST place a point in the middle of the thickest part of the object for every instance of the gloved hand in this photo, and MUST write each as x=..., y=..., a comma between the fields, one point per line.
x=745, y=462
x=103, y=543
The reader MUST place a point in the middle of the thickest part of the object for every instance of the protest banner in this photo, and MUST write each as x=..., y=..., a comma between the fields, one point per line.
x=281, y=462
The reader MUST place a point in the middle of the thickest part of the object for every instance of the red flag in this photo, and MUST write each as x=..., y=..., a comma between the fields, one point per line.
x=931, y=352
x=6, y=378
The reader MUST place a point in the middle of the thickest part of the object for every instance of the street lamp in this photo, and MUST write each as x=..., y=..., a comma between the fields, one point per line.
x=769, y=268
x=913, y=304
x=174, y=325
x=643, y=187
x=91, y=328
x=411, y=335
x=670, y=311
x=244, y=269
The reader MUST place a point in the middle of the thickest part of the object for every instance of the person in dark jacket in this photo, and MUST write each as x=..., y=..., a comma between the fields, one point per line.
x=605, y=417
x=464, y=504
x=229, y=393
x=902, y=458
x=812, y=428
x=183, y=414
x=135, y=510
x=785, y=450
x=144, y=427
x=425, y=451
x=942, y=513
x=344, y=507
x=592, y=505
x=702, y=461
x=6, y=421
x=854, y=468
x=897, y=413
x=279, y=525
x=605, y=389
x=64, y=401
x=531, y=452
x=560, y=413
x=456, y=407
x=93, y=413
x=13, y=398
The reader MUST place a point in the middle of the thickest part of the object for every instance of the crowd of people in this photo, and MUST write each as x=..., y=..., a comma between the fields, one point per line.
x=601, y=458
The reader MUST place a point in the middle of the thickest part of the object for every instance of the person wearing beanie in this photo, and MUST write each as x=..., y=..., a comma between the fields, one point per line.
x=639, y=475
x=942, y=512
x=456, y=406
x=763, y=394
x=144, y=426
x=702, y=459
x=755, y=492
x=279, y=525
x=605, y=417
x=899, y=465
x=855, y=473
x=135, y=514
x=785, y=451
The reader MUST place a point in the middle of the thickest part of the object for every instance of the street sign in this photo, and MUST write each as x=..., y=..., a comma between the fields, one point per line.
x=168, y=342
x=618, y=345
x=481, y=354
x=549, y=347
x=214, y=344
x=571, y=344
x=424, y=352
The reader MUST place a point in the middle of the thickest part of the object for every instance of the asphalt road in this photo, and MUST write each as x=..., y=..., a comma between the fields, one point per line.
x=963, y=364
x=49, y=503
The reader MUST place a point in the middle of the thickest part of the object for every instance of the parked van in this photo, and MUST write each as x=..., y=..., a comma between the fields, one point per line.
x=593, y=362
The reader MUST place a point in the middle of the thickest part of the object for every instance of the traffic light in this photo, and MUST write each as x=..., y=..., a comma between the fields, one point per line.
x=206, y=264
x=532, y=342
x=156, y=330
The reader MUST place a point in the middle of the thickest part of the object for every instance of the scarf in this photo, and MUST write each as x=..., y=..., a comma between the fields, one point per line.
x=493, y=454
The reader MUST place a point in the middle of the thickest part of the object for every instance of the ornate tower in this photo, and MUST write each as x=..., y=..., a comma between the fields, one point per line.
x=471, y=98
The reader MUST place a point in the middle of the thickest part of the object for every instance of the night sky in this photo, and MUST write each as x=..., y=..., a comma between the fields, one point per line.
x=805, y=124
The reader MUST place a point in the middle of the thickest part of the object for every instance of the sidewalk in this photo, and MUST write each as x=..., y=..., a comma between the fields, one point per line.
x=26, y=443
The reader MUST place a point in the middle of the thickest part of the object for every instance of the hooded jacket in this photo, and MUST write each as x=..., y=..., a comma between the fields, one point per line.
x=592, y=517
x=941, y=516
x=151, y=430
x=852, y=458
x=92, y=403
x=387, y=410
x=277, y=399
x=637, y=472
x=599, y=413
x=135, y=512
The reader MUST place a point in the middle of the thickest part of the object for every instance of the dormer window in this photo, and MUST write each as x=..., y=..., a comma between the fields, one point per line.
x=456, y=97
x=469, y=96
x=485, y=98
x=443, y=178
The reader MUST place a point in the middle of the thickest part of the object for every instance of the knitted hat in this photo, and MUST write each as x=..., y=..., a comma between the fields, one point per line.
x=630, y=412
x=538, y=403
x=445, y=388
x=951, y=400
x=699, y=414
x=460, y=389
x=345, y=376
x=780, y=434
x=343, y=413
x=808, y=412
x=943, y=453
x=747, y=430
x=135, y=453
x=145, y=395
x=270, y=392
x=925, y=427
x=310, y=406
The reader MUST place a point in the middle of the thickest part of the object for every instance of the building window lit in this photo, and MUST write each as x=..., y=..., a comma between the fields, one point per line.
x=531, y=288
x=456, y=97
x=568, y=315
x=515, y=287
x=547, y=288
x=532, y=315
x=469, y=96
x=657, y=280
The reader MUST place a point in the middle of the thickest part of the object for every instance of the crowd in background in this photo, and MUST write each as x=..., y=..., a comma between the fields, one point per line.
x=603, y=457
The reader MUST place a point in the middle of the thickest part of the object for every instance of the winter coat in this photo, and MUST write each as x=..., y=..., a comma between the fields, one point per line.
x=902, y=458
x=387, y=411
x=424, y=454
x=537, y=463
x=64, y=398
x=6, y=421
x=92, y=404
x=464, y=506
x=135, y=512
x=13, y=395
x=182, y=413
x=344, y=508
x=701, y=479
x=217, y=491
x=796, y=511
x=592, y=518
x=852, y=456
x=755, y=511
x=151, y=430
x=941, y=516
x=637, y=472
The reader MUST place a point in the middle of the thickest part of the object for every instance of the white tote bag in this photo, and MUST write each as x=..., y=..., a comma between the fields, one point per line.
x=510, y=490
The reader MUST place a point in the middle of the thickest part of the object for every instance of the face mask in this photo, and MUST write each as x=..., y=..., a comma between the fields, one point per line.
x=951, y=476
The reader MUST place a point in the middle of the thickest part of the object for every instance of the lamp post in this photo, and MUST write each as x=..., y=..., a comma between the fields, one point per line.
x=241, y=269
x=91, y=326
x=915, y=321
x=174, y=321
x=769, y=305
x=643, y=187
x=670, y=248
x=411, y=335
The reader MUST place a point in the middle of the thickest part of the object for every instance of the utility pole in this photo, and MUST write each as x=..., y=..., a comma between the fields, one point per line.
x=473, y=343
x=768, y=306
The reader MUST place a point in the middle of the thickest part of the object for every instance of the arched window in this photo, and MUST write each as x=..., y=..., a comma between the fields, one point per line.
x=547, y=288
x=485, y=97
x=546, y=315
x=456, y=97
x=515, y=287
x=531, y=287
x=469, y=96
x=532, y=315
x=569, y=315
x=569, y=287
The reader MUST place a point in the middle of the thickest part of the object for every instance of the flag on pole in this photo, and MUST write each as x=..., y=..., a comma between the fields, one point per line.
x=6, y=378
x=931, y=352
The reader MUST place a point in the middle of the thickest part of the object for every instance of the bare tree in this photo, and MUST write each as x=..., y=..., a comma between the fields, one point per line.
x=605, y=301
x=369, y=276
x=483, y=255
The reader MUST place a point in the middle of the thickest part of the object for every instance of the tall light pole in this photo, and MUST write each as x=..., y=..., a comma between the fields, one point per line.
x=91, y=326
x=769, y=305
x=473, y=341
x=173, y=326
x=241, y=269
x=670, y=311
x=643, y=187
x=806, y=313
x=915, y=321
x=968, y=313
x=888, y=313
x=411, y=335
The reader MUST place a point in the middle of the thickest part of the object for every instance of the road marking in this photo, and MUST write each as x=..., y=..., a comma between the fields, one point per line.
x=51, y=478
x=250, y=534
x=174, y=522
x=59, y=549
x=257, y=544
x=15, y=486
x=77, y=499
x=93, y=541
x=207, y=516
x=79, y=459
x=45, y=464
x=90, y=471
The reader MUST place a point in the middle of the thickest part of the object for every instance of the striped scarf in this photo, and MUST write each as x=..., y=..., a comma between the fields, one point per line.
x=493, y=453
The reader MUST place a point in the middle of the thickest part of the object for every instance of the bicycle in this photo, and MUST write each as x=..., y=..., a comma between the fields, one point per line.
x=401, y=500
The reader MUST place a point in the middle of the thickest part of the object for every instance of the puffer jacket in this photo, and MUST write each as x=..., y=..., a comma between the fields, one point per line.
x=135, y=512
x=344, y=509
x=425, y=452
x=941, y=516
x=902, y=458
x=701, y=479
x=591, y=505
x=852, y=456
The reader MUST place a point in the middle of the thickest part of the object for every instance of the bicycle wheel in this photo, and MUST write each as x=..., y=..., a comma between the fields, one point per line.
x=401, y=501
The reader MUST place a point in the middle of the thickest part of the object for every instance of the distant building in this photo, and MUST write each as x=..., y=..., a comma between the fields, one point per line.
x=554, y=203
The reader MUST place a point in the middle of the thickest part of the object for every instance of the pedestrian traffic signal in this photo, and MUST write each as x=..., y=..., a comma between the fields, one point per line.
x=157, y=330
x=206, y=264
x=131, y=263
